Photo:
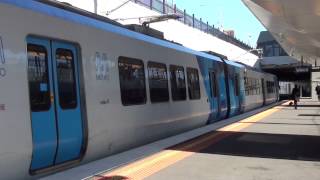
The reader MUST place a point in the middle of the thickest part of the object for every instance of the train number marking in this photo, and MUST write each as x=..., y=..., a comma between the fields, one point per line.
x=102, y=66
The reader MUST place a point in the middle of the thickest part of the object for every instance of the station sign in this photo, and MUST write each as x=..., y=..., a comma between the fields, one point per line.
x=316, y=69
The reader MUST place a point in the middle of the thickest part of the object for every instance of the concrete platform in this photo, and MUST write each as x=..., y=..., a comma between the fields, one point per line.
x=277, y=143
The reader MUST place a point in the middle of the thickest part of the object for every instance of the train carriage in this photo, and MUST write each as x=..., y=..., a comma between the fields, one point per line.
x=77, y=88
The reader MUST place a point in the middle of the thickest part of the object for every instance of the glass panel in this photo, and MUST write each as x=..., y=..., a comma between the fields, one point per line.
x=268, y=51
x=38, y=75
x=189, y=20
x=132, y=81
x=270, y=87
x=145, y=2
x=197, y=23
x=276, y=50
x=66, y=79
x=169, y=9
x=193, y=83
x=157, y=5
x=236, y=85
x=213, y=84
x=178, y=84
x=158, y=82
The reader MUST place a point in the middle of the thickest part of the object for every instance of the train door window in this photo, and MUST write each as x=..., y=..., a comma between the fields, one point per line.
x=178, y=83
x=258, y=86
x=193, y=83
x=236, y=85
x=132, y=81
x=255, y=87
x=251, y=86
x=158, y=82
x=66, y=79
x=38, y=78
x=213, y=83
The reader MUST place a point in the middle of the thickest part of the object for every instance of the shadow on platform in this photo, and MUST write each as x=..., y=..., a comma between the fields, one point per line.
x=302, y=105
x=276, y=146
x=309, y=115
x=98, y=177
x=273, y=123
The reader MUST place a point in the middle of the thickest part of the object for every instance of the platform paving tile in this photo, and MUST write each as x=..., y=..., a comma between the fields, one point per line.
x=284, y=145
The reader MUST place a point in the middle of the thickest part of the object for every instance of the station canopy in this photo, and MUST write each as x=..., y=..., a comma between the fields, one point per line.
x=294, y=24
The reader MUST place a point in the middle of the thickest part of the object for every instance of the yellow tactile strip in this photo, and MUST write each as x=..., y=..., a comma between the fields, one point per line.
x=146, y=167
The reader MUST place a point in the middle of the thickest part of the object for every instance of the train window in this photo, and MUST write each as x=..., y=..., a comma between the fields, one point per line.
x=132, y=81
x=270, y=87
x=252, y=86
x=213, y=83
x=247, y=85
x=158, y=82
x=38, y=76
x=178, y=83
x=257, y=86
x=193, y=83
x=66, y=79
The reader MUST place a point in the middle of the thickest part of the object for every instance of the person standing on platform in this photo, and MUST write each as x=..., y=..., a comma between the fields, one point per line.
x=295, y=96
x=318, y=91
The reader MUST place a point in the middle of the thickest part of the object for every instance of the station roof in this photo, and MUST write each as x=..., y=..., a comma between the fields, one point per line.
x=265, y=36
x=294, y=24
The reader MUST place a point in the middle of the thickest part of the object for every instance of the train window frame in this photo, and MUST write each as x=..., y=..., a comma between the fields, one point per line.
x=125, y=100
x=72, y=102
x=178, y=93
x=158, y=95
x=43, y=86
x=193, y=95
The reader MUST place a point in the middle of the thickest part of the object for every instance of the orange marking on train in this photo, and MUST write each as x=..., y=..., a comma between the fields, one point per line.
x=145, y=167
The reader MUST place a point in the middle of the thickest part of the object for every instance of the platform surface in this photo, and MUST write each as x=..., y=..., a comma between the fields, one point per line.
x=279, y=143
x=284, y=145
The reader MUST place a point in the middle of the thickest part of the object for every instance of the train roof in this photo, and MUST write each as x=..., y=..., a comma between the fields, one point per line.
x=254, y=69
x=63, y=11
x=250, y=67
x=233, y=63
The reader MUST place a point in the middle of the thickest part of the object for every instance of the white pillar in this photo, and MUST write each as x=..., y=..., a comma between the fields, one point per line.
x=95, y=6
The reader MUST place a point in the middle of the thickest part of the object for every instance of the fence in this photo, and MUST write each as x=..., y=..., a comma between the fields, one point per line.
x=162, y=7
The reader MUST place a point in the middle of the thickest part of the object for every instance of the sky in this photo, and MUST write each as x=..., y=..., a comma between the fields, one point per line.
x=229, y=14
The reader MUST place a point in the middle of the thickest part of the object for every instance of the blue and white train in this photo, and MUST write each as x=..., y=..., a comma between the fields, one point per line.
x=75, y=87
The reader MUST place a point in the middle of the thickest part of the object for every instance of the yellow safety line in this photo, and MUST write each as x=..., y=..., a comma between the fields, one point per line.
x=152, y=164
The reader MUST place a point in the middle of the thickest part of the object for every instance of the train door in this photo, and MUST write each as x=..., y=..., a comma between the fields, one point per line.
x=57, y=123
x=222, y=91
x=263, y=91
